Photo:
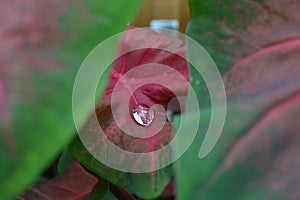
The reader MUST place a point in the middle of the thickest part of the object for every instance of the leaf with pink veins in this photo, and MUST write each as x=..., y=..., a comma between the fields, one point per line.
x=150, y=70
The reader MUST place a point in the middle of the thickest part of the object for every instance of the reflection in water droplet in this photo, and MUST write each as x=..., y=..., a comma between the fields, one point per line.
x=143, y=115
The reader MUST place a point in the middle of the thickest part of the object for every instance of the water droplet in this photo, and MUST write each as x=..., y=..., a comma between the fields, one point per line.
x=143, y=115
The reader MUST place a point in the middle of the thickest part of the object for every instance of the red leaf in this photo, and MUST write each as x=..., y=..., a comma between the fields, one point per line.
x=149, y=93
x=75, y=184
x=159, y=53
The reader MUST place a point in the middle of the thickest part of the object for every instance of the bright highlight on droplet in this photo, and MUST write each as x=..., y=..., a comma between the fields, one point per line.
x=143, y=115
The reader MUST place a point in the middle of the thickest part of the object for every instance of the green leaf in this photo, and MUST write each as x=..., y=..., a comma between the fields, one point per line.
x=257, y=150
x=100, y=190
x=110, y=196
x=233, y=29
x=255, y=45
x=44, y=51
x=65, y=160
x=145, y=185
